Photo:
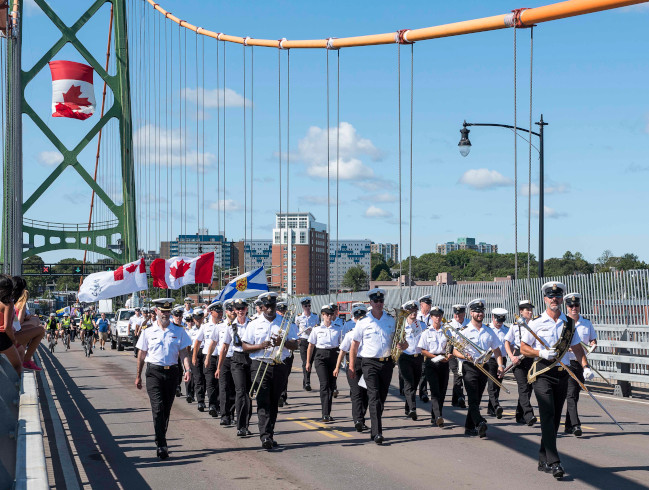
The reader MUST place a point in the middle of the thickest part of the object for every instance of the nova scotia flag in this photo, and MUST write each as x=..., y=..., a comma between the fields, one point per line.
x=246, y=285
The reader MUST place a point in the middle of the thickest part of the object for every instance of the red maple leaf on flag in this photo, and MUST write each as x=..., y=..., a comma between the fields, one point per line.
x=131, y=268
x=73, y=97
x=180, y=269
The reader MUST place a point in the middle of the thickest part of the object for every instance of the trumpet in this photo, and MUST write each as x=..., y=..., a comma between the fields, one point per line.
x=272, y=354
x=399, y=333
x=462, y=343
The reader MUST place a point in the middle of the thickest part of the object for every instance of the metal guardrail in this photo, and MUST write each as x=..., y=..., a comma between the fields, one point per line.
x=9, y=400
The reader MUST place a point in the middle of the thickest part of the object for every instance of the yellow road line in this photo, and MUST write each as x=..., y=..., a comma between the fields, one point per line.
x=319, y=424
x=304, y=424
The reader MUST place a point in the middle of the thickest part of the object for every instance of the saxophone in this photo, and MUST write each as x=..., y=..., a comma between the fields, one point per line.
x=399, y=333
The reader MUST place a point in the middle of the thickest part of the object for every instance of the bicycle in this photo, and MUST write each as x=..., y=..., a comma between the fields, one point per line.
x=52, y=342
x=66, y=339
x=87, y=344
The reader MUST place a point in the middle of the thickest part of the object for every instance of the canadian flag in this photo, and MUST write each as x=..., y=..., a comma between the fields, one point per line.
x=126, y=279
x=180, y=271
x=73, y=94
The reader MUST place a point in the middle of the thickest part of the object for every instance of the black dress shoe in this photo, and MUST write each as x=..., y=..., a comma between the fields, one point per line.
x=413, y=414
x=470, y=432
x=365, y=427
x=440, y=421
x=225, y=421
x=213, y=412
x=519, y=420
x=201, y=407
x=178, y=392
x=491, y=413
x=335, y=394
x=499, y=412
x=280, y=403
x=482, y=429
x=425, y=398
x=163, y=452
x=532, y=421
x=461, y=403
x=274, y=443
x=307, y=387
x=557, y=471
x=378, y=438
x=359, y=426
x=576, y=430
x=543, y=466
x=241, y=432
x=190, y=399
x=248, y=433
x=267, y=443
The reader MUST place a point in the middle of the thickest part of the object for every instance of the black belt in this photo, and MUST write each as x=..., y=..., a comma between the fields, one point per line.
x=380, y=359
x=162, y=368
x=411, y=355
x=326, y=348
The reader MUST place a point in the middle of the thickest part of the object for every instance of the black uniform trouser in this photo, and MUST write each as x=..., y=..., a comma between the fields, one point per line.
x=550, y=389
x=324, y=362
x=161, y=388
x=240, y=368
x=180, y=374
x=189, y=385
x=226, y=389
x=304, y=346
x=410, y=369
x=475, y=382
x=212, y=384
x=198, y=373
x=454, y=364
x=357, y=393
x=135, y=349
x=437, y=374
x=377, y=375
x=524, y=410
x=492, y=388
x=423, y=385
x=289, y=367
x=268, y=393
x=572, y=398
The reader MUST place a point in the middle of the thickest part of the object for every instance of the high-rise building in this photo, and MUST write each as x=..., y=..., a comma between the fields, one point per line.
x=350, y=253
x=300, y=254
x=225, y=253
x=388, y=250
x=466, y=243
x=258, y=253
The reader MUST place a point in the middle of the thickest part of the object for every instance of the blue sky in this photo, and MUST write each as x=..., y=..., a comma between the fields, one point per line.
x=590, y=82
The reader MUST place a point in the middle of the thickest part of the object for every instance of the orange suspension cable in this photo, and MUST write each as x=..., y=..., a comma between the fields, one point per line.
x=524, y=18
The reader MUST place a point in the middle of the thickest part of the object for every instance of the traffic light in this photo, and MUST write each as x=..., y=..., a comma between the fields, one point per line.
x=47, y=269
x=77, y=269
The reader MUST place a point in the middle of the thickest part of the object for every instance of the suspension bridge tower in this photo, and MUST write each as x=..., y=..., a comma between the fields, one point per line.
x=23, y=235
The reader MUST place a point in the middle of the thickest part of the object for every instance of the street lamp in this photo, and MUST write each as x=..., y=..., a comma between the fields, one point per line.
x=465, y=147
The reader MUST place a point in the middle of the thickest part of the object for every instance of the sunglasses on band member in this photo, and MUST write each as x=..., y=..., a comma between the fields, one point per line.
x=573, y=305
x=554, y=295
x=240, y=308
x=381, y=300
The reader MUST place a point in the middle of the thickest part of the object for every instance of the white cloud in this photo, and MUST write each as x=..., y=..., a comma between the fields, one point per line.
x=50, y=158
x=312, y=150
x=213, y=98
x=374, y=212
x=166, y=147
x=549, y=189
x=482, y=178
x=31, y=8
x=230, y=205
x=380, y=197
x=551, y=213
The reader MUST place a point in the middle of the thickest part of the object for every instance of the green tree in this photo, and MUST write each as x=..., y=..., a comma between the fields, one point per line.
x=355, y=279
x=384, y=276
x=66, y=266
x=35, y=284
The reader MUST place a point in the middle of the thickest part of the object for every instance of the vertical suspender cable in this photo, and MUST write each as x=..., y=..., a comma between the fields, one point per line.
x=203, y=130
x=412, y=99
x=219, y=203
x=169, y=132
x=180, y=132
x=198, y=148
x=158, y=133
x=288, y=164
x=224, y=125
x=252, y=135
x=328, y=189
x=337, y=255
x=245, y=165
x=515, y=174
x=279, y=161
x=529, y=185
x=399, y=120
x=183, y=98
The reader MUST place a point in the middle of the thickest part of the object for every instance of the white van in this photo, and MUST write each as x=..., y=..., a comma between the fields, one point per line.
x=119, y=334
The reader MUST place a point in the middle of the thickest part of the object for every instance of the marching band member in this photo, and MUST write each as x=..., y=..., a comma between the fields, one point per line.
x=261, y=334
x=588, y=336
x=410, y=361
x=322, y=353
x=282, y=308
x=375, y=331
x=425, y=303
x=498, y=327
x=160, y=346
x=224, y=359
x=475, y=380
x=177, y=319
x=339, y=322
x=192, y=330
x=436, y=369
x=188, y=305
x=459, y=322
x=205, y=335
x=239, y=367
x=357, y=393
x=305, y=322
x=550, y=387
x=522, y=364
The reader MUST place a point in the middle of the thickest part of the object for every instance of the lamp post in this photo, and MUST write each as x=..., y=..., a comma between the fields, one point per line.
x=465, y=147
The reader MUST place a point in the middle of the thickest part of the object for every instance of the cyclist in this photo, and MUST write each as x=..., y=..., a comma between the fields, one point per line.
x=51, y=325
x=87, y=325
x=65, y=327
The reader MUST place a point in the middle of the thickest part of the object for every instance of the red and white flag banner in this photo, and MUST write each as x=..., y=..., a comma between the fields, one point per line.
x=73, y=94
x=126, y=279
x=181, y=271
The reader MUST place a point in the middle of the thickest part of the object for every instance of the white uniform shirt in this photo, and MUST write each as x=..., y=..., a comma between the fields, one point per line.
x=423, y=318
x=205, y=336
x=162, y=346
x=305, y=324
x=550, y=331
x=501, y=333
x=339, y=322
x=375, y=335
x=413, y=333
x=134, y=322
x=221, y=334
x=514, y=336
x=193, y=333
x=326, y=337
x=434, y=341
x=586, y=333
x=229, y=335
x=260, y=330
x=348, y=326
x=485, y=338
x=457, y=325
x=346, y=344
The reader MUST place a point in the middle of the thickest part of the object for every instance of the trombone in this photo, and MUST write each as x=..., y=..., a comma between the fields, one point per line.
x=461, y=343
x=272, y=354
